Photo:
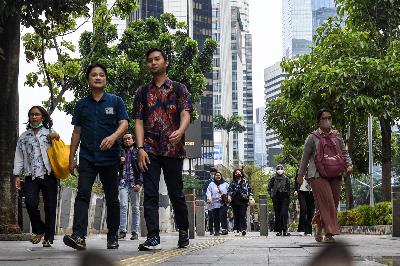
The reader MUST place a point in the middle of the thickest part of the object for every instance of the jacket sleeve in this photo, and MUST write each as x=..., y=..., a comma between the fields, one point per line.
x=136, y=172
x=308, y=152
x=288, y=185
x=209, y=190
x=249, y=190
x=345, y=152
x=18, y=160
x=270, y=185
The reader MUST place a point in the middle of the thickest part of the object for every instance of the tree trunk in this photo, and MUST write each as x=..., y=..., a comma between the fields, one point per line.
x=9, y=68
x=386, y=132
x=347, y=178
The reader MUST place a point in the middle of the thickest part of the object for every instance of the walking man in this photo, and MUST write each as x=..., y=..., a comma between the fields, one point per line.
x=129, y=188
x=162, y=114
x=99, y=120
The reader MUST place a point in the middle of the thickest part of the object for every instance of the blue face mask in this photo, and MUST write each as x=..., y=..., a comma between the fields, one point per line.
x=36, y=126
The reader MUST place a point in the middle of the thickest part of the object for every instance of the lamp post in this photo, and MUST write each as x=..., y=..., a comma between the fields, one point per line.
x=370, y=162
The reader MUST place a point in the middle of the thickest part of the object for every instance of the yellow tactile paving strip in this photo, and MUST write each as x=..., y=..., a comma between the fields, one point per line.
x=164, y=255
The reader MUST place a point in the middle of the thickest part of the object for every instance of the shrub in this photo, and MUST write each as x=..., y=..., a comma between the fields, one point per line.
x=380, y=214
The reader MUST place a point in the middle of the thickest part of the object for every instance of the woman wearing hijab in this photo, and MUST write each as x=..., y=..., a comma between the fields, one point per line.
x=32, y=162
x=240, y=193
x=279, y=191
x=217, y=195
x=325, y=178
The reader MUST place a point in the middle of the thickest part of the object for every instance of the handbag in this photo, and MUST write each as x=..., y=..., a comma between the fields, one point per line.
x=224, y=197
x=58, y=154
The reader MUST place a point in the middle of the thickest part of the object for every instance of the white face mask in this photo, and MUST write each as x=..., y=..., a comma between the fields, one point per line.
x=279, y=172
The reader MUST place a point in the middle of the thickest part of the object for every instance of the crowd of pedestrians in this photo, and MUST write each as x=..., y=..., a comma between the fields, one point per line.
x=162, y=115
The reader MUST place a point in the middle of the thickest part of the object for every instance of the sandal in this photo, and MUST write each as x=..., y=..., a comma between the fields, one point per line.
x=35, y=238
x=318, y=233
x=329, y=238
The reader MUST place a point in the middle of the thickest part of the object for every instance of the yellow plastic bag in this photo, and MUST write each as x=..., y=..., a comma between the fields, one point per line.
x=58, y=155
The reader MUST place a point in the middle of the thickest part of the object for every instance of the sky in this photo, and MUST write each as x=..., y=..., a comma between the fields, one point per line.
x=265, y=27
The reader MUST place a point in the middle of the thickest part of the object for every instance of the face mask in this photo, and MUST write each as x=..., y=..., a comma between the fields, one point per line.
x=279, y=172
x=36, y=126
x=326, y=124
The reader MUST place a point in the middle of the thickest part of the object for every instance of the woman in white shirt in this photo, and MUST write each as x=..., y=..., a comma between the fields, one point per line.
x=31, y=161
x=217, y=198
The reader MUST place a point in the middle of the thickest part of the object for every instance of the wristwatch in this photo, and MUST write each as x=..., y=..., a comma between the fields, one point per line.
x=140, y=147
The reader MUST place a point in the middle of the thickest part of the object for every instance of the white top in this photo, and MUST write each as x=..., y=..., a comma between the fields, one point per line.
x=215, y=194
x=31, y=154
x=305, y=186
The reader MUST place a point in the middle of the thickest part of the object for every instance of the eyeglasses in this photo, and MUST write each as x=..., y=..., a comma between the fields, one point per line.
x=35, y=114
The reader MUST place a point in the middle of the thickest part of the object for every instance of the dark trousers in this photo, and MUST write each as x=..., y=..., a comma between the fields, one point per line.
x=220, y=219
x=223, y=216
x=88, y=172
x=239, y=216
x=281, y=208
x=172, y=169
x=306, y=201
x=210, y=221
x=49, y=187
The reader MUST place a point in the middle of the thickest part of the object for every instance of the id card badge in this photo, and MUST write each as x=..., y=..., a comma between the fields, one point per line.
x=109, y=110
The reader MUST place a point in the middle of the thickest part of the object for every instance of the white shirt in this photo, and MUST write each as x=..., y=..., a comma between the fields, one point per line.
x=215, y=194
x=305, y=186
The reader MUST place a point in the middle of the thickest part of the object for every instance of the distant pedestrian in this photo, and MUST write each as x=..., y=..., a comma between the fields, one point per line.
x=279, y=191
x=240, y=193
x=326, y=158
x=99, y=120
x=208, y=206
x=217, y=197
x=31, y=160
x=162, y=115
x=305, y=196
x=130, y=185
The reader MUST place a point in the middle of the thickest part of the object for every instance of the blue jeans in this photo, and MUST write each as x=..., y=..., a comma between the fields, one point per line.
x=125, y=195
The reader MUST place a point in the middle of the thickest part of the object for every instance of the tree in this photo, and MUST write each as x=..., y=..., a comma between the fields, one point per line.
x=230, y=124
x=351, y=69
x=12, y=13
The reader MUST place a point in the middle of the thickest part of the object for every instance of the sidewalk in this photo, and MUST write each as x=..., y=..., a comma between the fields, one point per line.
x=225, y=250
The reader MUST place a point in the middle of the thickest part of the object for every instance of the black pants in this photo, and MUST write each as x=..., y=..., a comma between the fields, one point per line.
x=220, y=219
x=239, y=216
x=281, y=207
x=49, y=187
x=110, y=181
x=172, y=169
x=210, y=221
x=307, y=207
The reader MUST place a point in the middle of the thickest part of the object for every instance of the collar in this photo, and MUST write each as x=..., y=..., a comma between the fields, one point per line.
x=42, y=131
x=167, y=82
x=103, y=98
x=323, y=133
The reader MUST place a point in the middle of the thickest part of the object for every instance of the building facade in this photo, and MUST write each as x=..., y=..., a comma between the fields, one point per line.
x=260, y=153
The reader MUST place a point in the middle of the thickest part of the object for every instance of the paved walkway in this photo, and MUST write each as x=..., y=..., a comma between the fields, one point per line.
x=225, y=250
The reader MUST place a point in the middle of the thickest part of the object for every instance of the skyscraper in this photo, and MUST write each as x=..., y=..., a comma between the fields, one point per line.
x=300, y=20
x=233, y=73
x=260, y=154
x=148, y=8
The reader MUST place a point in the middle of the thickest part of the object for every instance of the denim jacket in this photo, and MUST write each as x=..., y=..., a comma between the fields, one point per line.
x=24, y=151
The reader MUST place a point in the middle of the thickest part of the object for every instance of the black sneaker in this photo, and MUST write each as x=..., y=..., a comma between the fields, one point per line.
x=286, y=234
x=151, y=243
x=112, y=242
x=243, y=232
x=217, y=234
x=134, y=236
x=75, y=242
x=121, y=235
x=224, y=232
x=183, y=241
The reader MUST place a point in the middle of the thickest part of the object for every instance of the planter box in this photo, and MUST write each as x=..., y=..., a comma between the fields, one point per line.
x=367, y=230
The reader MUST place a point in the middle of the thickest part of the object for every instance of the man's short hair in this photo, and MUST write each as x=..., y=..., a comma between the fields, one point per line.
x=164, y=55
x=93, y=65
x=321, y=111
x=213, y=170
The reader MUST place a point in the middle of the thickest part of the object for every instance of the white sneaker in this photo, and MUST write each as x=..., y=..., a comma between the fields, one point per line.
x=302, y=233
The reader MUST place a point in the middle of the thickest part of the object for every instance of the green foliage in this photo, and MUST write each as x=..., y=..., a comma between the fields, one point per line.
x=72, y=182
x=229, y=124
x=379, y=214
x=192, y=182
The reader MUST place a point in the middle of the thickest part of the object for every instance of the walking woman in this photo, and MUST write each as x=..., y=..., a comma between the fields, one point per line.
x=279, y=191
x=240, y=193
x=32, y=162
x=217, y=197
x=327, y=158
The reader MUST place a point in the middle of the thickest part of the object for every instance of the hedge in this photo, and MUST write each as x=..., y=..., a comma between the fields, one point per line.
x=379, y=214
